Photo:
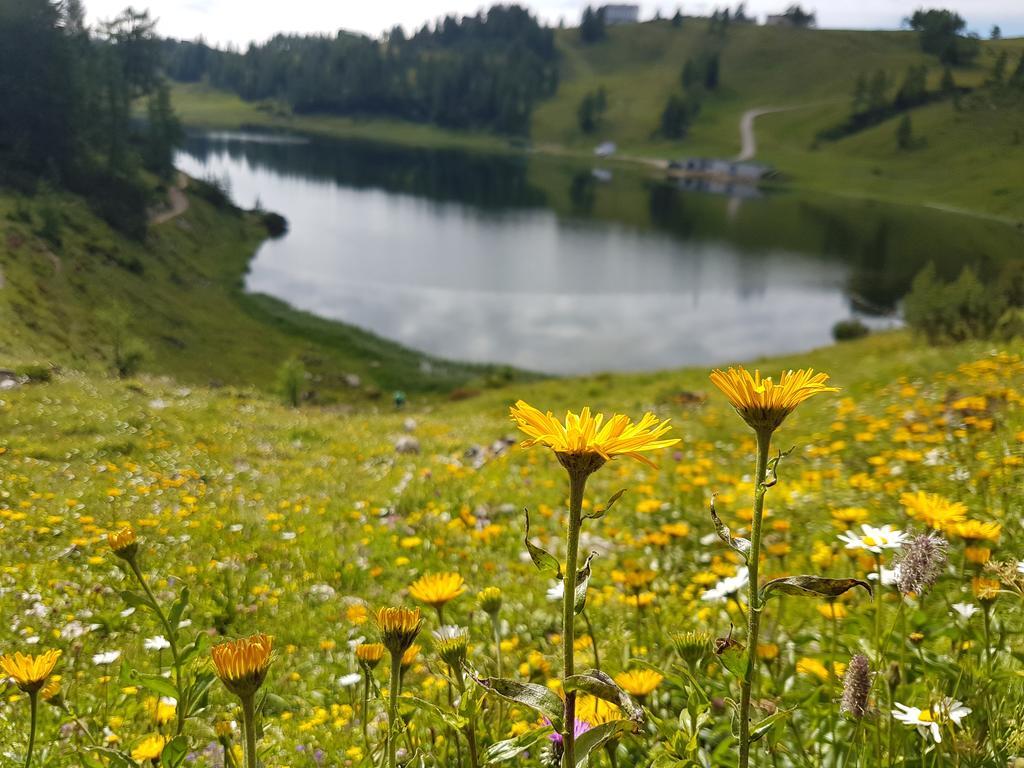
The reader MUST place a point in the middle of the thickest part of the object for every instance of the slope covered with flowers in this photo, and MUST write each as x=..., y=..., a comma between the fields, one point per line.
x=301, y=524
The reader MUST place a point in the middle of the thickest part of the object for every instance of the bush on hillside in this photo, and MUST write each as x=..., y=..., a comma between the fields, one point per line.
x=954, y=311
x=848, y=330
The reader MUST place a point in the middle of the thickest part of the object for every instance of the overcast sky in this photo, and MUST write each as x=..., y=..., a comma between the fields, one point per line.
x=240, y=21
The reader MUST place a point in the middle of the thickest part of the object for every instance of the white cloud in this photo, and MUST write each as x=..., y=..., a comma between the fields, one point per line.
x=240, y=21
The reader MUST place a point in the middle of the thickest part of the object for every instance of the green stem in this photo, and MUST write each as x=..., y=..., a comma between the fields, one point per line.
x=395, y=690
x=366, y=709
x=33, y=700
x=496, y=626
x=832, y=683
x=249, y=723
x=182, y=703
x=474, y=759
x=577, y=485
x=764, y=438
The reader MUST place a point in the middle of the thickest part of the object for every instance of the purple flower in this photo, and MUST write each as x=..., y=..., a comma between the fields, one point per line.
x=581, y=727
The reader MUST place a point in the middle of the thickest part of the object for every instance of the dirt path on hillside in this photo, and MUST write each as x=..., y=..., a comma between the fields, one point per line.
x=177, y=201
x=748, y=144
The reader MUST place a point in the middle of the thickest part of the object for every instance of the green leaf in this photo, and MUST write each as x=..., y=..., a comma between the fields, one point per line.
x=598, y=735
x=597, y=683
x=435, y=713
x=602, y=511
x=740, y=545
x=582, y=580
x=195, y=648
x=544, y=561
x=537, y=697
x=731, y=654
x=766, y=725
x=811, y=586
x=509, y=749
x=174, y=752
x=155, y=683
x=177, y=609
x=114, y=759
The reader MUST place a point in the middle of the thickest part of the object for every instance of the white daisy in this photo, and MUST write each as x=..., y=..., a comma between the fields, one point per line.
x=556, y=592
x=1020, y=567
x=929, y=721
x=158, y=643
x=874, y=539
x=347, y=681
x=966, y=610
x=727, y=587
x=108, y=657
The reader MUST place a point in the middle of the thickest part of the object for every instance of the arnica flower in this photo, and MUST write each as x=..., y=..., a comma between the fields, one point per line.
x=123, y=543
x=242, y=664
x=920, y=563
x=763, y=403
x=976, y=530
x=856, y=684
x=410, y=656
x=929, y=721
x=639, y=682
x=370, y=654
x=149, y=748
x=933, y=510
x=693, y=646
x=437, y=589
x=398, y=628
x=29, y=672
x=585, y=441
x=489, y=600
x=451, y=643
x=874, y=539
x=986, y=590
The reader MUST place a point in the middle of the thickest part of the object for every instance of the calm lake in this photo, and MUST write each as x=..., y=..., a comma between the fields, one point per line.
x=561, y=267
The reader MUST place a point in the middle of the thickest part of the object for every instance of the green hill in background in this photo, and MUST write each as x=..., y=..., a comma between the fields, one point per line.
x=967, y=155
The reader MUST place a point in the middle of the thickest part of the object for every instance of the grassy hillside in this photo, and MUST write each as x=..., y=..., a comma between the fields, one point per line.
x=968, y=160
x=299, y=523
x=182, y=290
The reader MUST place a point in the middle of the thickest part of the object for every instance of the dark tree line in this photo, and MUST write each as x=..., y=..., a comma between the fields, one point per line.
x=483, y=71
x=67, y=94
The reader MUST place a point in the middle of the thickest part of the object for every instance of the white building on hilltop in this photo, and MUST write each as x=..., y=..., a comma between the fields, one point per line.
x=621, y=14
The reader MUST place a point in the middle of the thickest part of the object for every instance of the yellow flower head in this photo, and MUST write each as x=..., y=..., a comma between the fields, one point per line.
x=489, y=600
x=596, y=711
x=639, y=682
x=398, y=628
x=411, y=654
x=51, y=691
x=933, y=510
x=370, y=654
x=976, y=530
x=437, y=589
x=986, y=590
x=29, y=672
x=764, y=404
x=589, y=438
x=149, y=748
x=242, y=664
x=123, y=543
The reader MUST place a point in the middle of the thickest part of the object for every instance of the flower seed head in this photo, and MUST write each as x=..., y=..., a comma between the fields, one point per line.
x=920, y=563
x=451, y=643
x=856, y=685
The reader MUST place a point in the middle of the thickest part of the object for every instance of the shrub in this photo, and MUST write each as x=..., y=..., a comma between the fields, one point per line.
x=291, y=381
x=847, y=330
x=275, y=223
x=956, y=311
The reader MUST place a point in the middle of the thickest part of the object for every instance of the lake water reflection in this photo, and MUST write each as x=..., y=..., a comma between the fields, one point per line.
x=537, y=263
